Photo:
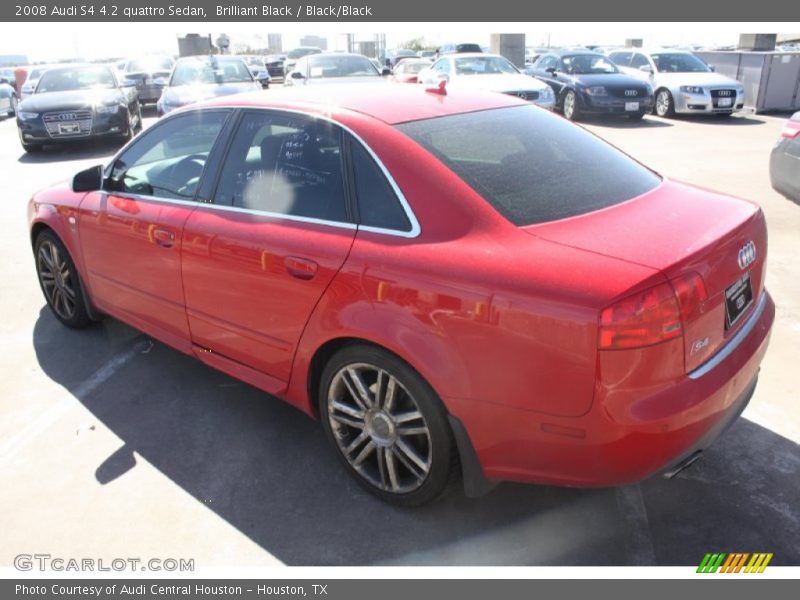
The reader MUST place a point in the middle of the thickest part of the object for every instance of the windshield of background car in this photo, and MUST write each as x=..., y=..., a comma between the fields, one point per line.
x=679, y=63
x=484, y=65
x=254, y=61
x=588, y=64
x=323, y=66
x=532, y=166
x=214, y=71
x=66, y=80
x=468, y=48
x=412, y=67
x=301, y=52
x=154, y=64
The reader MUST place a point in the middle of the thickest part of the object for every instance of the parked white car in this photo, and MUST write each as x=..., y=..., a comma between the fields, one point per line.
x=682, y=82
x=490, y=72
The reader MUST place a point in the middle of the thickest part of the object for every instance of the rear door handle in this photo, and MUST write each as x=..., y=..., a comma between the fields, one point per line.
x=302, y=268
x=164, y=237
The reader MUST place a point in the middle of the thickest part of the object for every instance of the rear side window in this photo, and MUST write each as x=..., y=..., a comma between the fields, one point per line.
x=378, y=206
x=532, y=166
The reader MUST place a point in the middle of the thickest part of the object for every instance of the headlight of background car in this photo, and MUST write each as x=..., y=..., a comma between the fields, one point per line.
x=691, y=89
x=108, y=109
x=597, y=90
x=27, y=116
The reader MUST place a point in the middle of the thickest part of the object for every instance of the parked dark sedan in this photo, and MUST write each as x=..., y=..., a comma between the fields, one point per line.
x=274, y=64
x=77, y=102
x=149, y=76
x=587, y=82
x=784, y=162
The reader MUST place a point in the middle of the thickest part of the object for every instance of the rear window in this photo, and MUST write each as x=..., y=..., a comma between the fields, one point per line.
x=532, y=166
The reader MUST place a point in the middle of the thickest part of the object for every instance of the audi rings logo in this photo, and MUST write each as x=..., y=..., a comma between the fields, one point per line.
x=67, y=117
x=747, y=255
x=725, y=93
x=631, y=93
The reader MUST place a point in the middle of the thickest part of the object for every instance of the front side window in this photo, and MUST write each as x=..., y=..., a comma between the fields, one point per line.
x=532, y=166
x=285, y=164
x=623, y=59
x=639, y=60
x=168, y=161
x=679, y=62
x=547, y=62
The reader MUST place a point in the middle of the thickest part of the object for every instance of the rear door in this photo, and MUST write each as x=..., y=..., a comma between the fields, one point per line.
x=131, y=232
x=257, y=261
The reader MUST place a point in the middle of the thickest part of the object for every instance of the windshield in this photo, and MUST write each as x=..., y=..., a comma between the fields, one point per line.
x=301, y=52
x=149, y=64
x=679, y=62
x=412, y=66
x=323, y=66
x=254, y=61
x=193, y=72
x=468, y=48
x=532, y=166
x=484, y=65
x=588, y=64
x=67, y=80
x=35, y=74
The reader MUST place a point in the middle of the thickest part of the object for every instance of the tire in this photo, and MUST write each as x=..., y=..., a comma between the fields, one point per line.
x=569, y=106
x=139, y=123
x=361, y=418
x=60, y=282
x=129, y=132
x=664, y=105
x=13, y=111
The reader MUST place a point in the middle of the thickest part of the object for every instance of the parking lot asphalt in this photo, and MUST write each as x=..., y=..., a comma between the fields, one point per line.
x=112, y=445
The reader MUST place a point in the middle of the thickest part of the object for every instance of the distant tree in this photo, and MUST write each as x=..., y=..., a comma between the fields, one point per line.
x=415, y=44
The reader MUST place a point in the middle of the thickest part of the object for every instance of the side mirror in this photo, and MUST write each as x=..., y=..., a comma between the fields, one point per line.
x=551, y=70
x=297, y=75
x=646, y=69
x=712, y=68
x=89, y=180
x=385, y=71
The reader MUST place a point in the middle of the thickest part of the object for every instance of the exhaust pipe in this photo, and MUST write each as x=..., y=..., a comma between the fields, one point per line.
x=684, y=464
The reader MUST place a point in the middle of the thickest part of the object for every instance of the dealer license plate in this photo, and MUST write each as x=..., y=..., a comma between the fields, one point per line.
x=631, y=106
x=67, y=128
x=738, y=297
x=725, y=102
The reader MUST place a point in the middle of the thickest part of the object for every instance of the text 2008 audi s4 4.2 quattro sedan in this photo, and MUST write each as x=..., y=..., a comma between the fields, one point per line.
x=530, y=305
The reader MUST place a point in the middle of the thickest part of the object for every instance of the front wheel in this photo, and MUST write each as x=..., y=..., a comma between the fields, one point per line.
x=60, y=282
x=388, y=426
x=570, y=106
x=665, y=105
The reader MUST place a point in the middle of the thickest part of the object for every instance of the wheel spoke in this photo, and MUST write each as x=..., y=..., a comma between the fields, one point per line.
x=367, y=450
x=69, y=292
x=379, y=387
x=355, y=385
x=391, y=468
x=405, y=417
x=418, y=430
x=408, y=452
x=348, y=410
x=350, y=422
x=382, y=453
x=44, y=253
x=391, y=391
x=356, y=443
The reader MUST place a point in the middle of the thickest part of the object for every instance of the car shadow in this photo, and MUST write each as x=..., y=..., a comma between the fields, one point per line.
x=267, y=470
x=736, y=120
x=621, y=122
x=72, y=151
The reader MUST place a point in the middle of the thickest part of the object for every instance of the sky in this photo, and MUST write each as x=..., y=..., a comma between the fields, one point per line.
x=53, y=41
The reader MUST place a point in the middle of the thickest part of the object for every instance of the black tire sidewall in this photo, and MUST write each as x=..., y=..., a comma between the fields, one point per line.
x=442, y=442
x=80, y=317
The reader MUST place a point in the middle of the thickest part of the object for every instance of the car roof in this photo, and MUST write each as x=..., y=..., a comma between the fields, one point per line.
x=387, y=102
x=561, y=52
x=208, y=57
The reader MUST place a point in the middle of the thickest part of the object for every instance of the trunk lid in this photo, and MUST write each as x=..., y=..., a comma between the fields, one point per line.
x=680, y=230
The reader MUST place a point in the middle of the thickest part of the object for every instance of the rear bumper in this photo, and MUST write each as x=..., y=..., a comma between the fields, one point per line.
x=614, y=444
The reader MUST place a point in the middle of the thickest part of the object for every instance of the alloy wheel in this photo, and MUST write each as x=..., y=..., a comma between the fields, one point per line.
x=662, y=103
x=57, y=281
x=379, y=428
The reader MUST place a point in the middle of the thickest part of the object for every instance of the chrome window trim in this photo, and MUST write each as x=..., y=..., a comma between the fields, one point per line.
x=412, y=218
x=734, y=343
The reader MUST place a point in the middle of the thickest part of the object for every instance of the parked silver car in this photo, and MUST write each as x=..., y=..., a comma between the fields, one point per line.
x=682, y=82
x=489, y=72
x=785, y=158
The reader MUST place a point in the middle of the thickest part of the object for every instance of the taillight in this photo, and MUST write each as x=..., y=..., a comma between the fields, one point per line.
x=692, y=294
x=791, y=129
x=642, y=319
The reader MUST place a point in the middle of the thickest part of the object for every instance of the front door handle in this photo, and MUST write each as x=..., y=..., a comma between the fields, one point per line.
x=163, y=237
x=302, y=268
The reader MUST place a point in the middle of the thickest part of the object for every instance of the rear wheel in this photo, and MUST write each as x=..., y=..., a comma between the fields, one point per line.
x=569, y=106
x=388, y=426
x=665, y=106
x=60, y=282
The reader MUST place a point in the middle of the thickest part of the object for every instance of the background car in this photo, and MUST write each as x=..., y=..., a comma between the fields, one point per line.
x=8, y=94
x=457, y=48
x=196, y=78
x=490, y=72
x=258, y=67
x=149, y=75
x=430, y=54
x=296, y=54
x=275, y=66
x=395, y=57
x=367, y=258
x=408, y=69
x=683, y=83
x=34, y=73
x=334, y=67
x=75, y=102
x=784, y=161
x=588, y=82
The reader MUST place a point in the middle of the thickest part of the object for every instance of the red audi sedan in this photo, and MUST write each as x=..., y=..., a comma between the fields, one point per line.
x=454, y=283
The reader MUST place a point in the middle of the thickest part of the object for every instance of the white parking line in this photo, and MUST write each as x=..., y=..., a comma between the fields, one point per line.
x=29, y=433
